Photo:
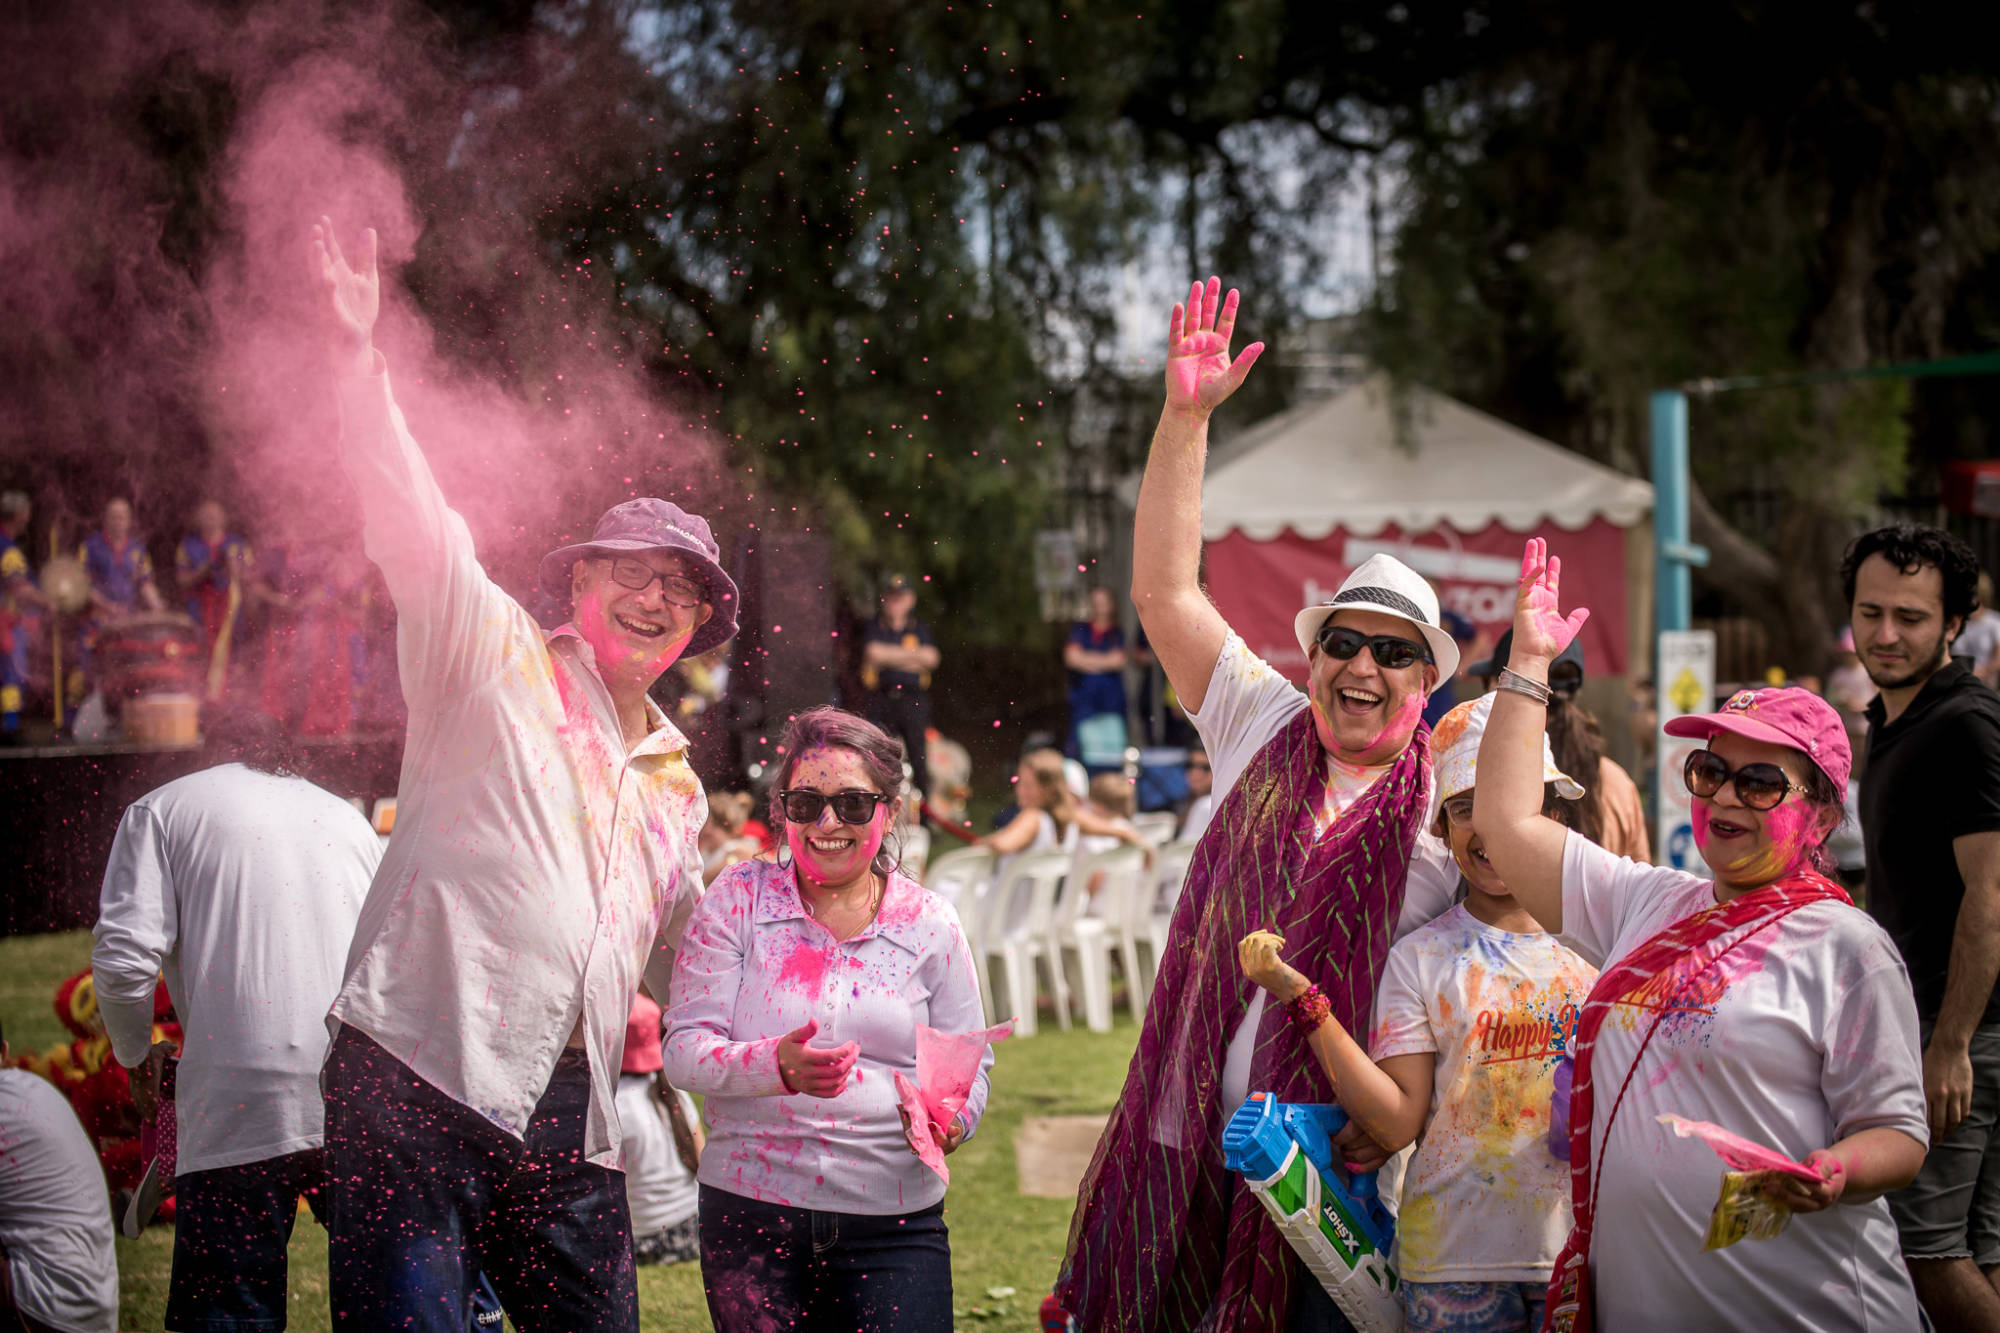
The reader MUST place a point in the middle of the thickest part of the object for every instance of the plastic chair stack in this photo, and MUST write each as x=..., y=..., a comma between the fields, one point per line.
x=1094, y=930
x=1148, y=915
x=963, y=878
x=1015, y=934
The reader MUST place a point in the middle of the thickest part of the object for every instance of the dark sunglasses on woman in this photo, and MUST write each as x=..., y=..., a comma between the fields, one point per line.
x=1341, y=643
x=1759, y=786
x=849, y=807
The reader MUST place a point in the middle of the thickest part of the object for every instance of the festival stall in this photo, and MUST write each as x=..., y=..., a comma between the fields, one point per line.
x=1294, y=503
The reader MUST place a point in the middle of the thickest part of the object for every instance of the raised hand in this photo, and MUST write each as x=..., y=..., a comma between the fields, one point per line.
x=1199, y=372
x=350, y=297
x=1257, y=954
x=1541, y=631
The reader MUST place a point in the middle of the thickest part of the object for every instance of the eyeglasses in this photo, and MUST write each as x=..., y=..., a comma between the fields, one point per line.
x=849, y=807
x=1759, y=786
x=1341, y=643
x=1459, y=809
x=1198, y=768
x=637, y=575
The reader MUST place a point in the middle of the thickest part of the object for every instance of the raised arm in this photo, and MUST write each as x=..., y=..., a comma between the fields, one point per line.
x=1524, y=845
x=1184, y=628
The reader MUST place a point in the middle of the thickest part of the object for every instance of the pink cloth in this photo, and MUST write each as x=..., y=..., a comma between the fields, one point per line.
x=947, y=1064
x=1738, y=1151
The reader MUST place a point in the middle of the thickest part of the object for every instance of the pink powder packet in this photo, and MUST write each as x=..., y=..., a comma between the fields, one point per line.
x=1738, y=1151
x=947, y=1063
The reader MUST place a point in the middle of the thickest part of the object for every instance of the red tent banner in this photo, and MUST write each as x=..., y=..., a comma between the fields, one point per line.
x=1259, y=586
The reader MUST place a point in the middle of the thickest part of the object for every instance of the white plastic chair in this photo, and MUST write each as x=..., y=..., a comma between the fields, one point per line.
x=1150, y=914
x=963, y=877
x=916, y=845
x=1096, y=930
x=1155, y=826
x=1016, y=935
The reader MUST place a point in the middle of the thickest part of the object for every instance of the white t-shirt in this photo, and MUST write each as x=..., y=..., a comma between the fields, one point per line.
x=1247, y=704
x=244, y=889
x=1980, y=637
x=1485, y=1199
x=1801, y=1037
x=55, y=1217
x=659, y=1189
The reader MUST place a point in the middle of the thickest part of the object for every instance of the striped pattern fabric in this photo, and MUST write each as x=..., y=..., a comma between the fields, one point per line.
x=1164, y=1237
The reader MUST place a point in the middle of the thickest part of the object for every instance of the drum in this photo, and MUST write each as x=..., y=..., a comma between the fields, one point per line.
x=156, y=653
x=162, y=719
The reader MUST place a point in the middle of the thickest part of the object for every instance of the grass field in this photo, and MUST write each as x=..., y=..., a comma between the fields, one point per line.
x=999, y=1239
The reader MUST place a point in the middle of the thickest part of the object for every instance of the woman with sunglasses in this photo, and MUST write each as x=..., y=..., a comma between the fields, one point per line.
x=1761, y=1001
x=797, y=994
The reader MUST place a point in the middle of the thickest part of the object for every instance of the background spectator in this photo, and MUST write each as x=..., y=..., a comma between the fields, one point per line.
x=897, y=659
x=1095, y=656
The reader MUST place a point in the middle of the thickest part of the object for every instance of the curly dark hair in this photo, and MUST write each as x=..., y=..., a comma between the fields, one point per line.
x=1911, y=546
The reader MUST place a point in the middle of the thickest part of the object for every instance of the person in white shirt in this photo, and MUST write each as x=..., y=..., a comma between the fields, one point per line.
x=544, y=858
x=1201, y=796
x=659, y=1146
x=242, y=882
x=1471, y=1028
x=58, y=1267
x=1321, y=833
x=1761, y=1001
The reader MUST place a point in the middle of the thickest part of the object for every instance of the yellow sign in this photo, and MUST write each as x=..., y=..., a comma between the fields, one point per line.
x=1685, y=693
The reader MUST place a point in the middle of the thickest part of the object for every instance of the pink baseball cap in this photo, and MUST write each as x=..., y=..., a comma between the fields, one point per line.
x=642, y=1038
x=1792, y=717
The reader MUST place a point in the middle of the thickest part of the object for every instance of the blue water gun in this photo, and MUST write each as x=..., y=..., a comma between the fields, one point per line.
x=1338, y=1226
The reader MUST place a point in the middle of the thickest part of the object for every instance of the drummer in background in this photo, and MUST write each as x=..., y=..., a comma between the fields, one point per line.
x=208, y=561
x=121, y=573
x=19, y=598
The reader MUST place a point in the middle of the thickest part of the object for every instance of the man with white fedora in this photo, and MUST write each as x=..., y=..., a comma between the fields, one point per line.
x=1320, y=833
x=543, y=865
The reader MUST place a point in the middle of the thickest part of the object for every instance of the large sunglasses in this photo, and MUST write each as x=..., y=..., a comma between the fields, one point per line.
x=1340, y=643
x=637, y=575
x=849, y=807
x=1759, y=786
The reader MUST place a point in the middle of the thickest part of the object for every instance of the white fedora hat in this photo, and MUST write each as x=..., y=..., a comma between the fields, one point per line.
x=1385, y=584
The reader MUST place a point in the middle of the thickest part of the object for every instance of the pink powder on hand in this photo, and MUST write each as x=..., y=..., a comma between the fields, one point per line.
x=947, y=1064
x=1738, y=1151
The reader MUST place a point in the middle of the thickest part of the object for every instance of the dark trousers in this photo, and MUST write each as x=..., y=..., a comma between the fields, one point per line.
x=231, y=1227
x=907, y=714
x=766, y=1267
x=426, y=1195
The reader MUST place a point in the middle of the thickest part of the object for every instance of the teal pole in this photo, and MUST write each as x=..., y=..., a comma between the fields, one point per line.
x=1674, y=555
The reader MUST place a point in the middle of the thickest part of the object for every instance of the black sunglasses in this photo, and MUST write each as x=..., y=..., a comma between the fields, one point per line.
x=637, y=574
x=1341, y=643
x=849, y=807
x=1759, y=786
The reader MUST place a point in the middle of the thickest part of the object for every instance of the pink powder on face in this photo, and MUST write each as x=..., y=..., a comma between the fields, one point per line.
x=1783, y=844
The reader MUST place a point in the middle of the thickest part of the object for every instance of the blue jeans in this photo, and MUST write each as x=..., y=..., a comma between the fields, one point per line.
x=427, y=1194
x=231, y=1227
x=767, y=1267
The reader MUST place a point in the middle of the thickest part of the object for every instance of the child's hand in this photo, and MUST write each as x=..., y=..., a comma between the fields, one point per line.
x=1258, y=955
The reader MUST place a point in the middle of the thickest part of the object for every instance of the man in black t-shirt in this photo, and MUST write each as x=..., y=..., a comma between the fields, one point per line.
x=897, y=659
x=1930, y=818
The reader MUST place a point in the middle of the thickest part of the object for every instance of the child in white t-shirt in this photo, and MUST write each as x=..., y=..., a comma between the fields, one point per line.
x=1472, y=1019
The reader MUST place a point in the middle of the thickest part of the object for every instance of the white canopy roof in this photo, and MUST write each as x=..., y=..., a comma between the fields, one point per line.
x=1336, y=463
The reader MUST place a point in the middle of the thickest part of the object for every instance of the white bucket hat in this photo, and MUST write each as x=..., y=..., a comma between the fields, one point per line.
x=1385, y=584
x=1455, y=752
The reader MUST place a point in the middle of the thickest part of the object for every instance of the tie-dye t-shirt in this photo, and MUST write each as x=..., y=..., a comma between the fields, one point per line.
x=1486, y=1198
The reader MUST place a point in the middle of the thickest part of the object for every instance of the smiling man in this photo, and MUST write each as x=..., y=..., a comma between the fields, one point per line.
x=1930, y=820
x=544, y=861
x=1322, y=799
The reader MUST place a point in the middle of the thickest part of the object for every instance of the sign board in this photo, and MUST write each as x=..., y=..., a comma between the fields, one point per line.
x=1684, y=674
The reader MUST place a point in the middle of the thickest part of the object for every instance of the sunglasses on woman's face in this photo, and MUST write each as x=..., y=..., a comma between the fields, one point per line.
x=1341, y=643
x=849, y=807
x=1759, y=786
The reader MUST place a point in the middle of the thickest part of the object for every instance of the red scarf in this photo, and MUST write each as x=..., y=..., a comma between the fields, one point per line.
x=1699, y=941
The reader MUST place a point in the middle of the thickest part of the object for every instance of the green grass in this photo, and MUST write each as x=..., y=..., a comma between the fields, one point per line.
x=999, y=1238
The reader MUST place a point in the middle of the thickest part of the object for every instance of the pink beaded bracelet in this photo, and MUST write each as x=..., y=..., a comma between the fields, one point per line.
x=1309, y=1009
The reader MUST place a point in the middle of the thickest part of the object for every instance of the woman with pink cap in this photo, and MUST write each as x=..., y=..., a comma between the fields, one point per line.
x=1761, y=1001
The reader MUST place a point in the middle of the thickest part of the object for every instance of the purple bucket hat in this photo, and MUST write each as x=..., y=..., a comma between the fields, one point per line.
x=648, y=524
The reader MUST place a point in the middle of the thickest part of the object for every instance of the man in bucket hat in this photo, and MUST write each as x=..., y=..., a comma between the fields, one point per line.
x=544, y=862
x=1320, y=833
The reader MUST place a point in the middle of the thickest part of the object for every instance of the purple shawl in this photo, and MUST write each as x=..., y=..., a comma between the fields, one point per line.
x=1164, y=1237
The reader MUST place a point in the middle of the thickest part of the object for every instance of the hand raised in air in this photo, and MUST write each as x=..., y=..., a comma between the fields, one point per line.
x=1199, y=372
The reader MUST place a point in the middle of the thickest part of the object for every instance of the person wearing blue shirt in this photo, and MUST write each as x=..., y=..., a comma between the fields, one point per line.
x=1095, y=656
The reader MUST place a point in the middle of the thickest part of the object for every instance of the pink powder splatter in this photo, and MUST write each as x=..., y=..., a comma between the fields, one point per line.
x=805, y=969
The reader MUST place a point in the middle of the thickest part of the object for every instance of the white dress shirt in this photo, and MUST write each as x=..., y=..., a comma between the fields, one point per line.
x=754, y=967
x=538, y=868
x=244, y=888
x=55, y=1216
